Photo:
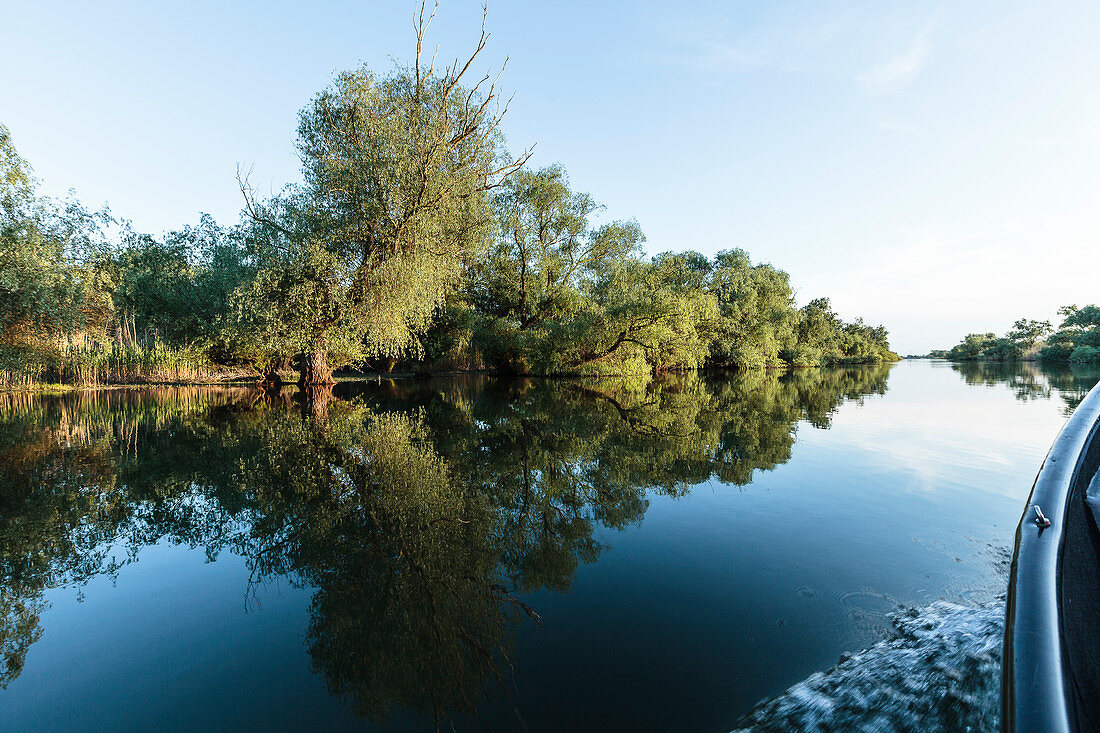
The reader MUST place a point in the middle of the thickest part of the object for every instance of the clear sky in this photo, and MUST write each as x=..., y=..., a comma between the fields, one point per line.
x=934, y=167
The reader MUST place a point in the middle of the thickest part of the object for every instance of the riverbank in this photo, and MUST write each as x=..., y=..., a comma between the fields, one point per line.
x=241, y=376
x=1087, y=355
x=49, y=365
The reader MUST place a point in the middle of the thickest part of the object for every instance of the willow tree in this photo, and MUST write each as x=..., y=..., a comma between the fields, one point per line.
x=758, y=313
x=355, y=261
x=526, y=298
x=544, y=247
x=46, y=290
x=650, y=317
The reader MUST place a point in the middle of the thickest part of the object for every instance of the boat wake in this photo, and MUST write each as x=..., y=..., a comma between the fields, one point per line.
x=939, y=670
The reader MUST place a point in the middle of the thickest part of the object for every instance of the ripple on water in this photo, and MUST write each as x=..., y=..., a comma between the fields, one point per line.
x=869, y=603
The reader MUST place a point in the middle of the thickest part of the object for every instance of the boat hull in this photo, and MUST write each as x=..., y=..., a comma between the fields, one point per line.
x=1052, y=651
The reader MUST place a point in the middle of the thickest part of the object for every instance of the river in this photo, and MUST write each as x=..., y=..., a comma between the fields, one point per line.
x=692, y=553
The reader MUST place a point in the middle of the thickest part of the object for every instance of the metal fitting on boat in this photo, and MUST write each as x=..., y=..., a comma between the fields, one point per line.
x=1041, y=520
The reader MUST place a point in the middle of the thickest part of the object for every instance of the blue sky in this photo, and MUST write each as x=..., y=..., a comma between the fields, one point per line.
x=934, y=167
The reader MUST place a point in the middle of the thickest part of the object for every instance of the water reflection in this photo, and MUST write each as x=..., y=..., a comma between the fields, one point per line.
x=1034, y=380
x=419, y=513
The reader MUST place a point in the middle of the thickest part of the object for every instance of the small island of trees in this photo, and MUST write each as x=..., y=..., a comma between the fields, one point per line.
x=414, y=240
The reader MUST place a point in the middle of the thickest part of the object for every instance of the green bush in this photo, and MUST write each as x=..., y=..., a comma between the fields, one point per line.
x=1002, y=349
x=804, y=356
x=1056, y=352
x=1085, y=354
x=1088, y=338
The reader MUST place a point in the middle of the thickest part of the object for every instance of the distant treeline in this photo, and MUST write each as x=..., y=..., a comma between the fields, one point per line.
x=415, y=241
x=1077, y=339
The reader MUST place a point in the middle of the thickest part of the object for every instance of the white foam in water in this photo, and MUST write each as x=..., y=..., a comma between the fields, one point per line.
x=940, y=670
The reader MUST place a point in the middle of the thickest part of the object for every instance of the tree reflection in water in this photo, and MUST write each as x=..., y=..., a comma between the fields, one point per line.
x=1034, y=380
x=418, y=512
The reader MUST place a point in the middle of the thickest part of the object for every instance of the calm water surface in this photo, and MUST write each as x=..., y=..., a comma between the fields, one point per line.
x=552, y=555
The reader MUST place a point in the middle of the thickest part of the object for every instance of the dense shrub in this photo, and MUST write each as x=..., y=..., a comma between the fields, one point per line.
x=1056, y=352
x=1085, y=354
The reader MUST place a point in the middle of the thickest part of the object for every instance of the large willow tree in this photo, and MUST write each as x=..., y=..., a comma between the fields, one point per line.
x=356, y=260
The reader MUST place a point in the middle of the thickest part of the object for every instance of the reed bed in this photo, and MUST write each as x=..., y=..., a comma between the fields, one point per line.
x=96, y=364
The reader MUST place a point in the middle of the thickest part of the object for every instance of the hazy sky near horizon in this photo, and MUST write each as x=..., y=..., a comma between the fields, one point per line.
x=934, y=167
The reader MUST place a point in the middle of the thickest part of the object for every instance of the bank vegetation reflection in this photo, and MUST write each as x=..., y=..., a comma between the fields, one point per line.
x=419, y=513
x=1034, y=380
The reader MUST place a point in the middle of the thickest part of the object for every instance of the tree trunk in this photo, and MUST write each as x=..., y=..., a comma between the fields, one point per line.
x=271, y=376
x=313, y=367
x=127, y=328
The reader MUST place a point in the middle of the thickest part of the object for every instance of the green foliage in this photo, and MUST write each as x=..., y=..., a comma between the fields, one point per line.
x=972, y=347
x=1056, y=352
x=1085, y=354
x=757, y=313
x=1026, y=332
x=1003, y=349
x=985, y=346
x=414, y=239
x=823, y=338
x=311, y=277
x=96, y=363
x=1087, y=317
x=557, y=295
x=1077, y=339
x=179, y=287
x=71, y=306
x=45, y=286
x=356, y=261
x=803, y=355
x=544, y=248
x=650, y=319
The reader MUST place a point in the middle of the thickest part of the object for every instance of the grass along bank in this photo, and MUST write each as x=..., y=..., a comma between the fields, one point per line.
x=27, y=366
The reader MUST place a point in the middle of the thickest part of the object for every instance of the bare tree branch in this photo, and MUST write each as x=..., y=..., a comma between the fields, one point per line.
x=421, y=29
x=252, y=210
